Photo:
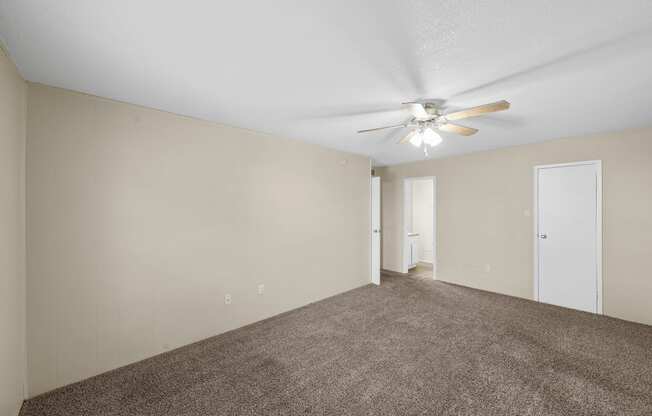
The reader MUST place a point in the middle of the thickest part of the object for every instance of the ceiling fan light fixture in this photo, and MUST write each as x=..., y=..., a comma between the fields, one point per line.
x=427, y=117
x=430, y=137
x=416, y=139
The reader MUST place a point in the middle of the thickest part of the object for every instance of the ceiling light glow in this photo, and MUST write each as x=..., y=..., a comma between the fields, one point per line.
x=416, y=139
x=430, y=137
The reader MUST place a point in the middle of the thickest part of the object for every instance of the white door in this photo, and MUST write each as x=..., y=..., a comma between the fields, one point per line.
x=567, y=237
x=375, y=230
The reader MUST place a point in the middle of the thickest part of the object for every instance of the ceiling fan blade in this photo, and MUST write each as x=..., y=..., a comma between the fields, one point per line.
x=476, y=111
x=407, y=137
x=382, y=128
x=457, y=129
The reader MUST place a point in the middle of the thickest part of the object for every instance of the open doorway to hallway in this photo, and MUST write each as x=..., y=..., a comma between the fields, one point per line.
x=420, y=225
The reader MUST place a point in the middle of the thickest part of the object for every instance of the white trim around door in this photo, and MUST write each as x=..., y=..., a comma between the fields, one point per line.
x=598, y=225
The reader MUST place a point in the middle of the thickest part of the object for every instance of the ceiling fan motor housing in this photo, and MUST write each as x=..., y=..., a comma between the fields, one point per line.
x=432, y=109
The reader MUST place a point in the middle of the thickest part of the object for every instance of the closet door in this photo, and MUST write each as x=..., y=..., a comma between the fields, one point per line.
x=567, y=235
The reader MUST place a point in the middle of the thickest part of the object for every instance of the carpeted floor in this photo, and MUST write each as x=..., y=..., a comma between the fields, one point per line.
x=409, y=347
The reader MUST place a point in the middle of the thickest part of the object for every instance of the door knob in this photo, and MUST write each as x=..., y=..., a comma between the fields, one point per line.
x=543, y=236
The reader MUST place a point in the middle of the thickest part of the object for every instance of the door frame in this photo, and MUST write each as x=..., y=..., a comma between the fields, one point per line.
x=407, y=202
x=598, y=225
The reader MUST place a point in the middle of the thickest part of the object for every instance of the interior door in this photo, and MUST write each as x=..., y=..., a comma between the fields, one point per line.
x=375, y=230
x=567, y=235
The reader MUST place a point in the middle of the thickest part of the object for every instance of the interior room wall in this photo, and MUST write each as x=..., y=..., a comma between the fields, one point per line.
x=422, y=207
x=12, y=237
x=141, y=221
x=485, y=224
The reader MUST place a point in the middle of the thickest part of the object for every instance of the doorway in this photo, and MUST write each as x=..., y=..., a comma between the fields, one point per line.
x=419, y=229
x=568, y=235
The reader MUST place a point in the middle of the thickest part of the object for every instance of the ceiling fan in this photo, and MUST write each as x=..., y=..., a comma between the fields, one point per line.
x=427, y=117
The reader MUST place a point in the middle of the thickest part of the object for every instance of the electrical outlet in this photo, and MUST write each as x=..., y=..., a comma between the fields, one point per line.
x=227, y=299
x=487, y=268
x=261, y=289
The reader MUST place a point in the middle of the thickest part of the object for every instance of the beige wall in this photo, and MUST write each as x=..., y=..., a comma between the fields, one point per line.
x=12, y=237
x=140, y=221
x=484, y=204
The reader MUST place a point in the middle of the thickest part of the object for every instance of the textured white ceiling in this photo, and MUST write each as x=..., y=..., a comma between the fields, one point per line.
x=320, y=70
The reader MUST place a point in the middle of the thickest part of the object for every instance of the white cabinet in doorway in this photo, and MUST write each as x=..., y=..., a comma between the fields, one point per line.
x=413, y=244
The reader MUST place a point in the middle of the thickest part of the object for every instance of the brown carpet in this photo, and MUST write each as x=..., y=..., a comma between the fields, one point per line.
x=410, y=347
